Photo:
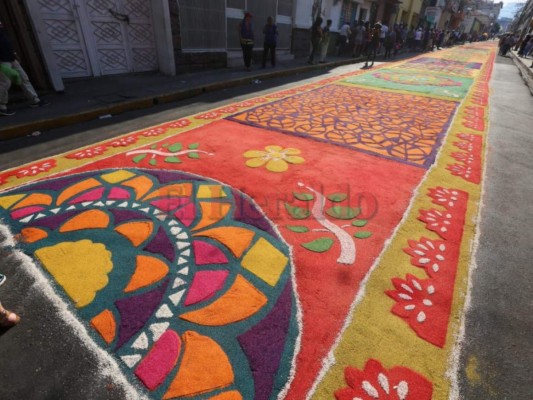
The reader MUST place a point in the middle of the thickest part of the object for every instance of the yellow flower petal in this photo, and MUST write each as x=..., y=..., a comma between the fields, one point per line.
x=255, y=162
x=273, y=149
x=291, y=150
x=294, y=159
x=254, y=153
x=277, y=166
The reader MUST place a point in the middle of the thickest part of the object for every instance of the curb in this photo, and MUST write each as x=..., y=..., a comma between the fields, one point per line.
x=14, y=131
x=525, y=72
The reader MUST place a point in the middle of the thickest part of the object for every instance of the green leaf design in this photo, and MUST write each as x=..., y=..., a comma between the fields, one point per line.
x=337, y=197
x=173, y=160
x=362, y=234
x=304, y=196
x=153, y=147
x=341, y=212
x=298, y=228
x=165, y=145
x=153, y=161
x=193, y=155
x=139, y=158
x=359, y=222
x=194, y=146
x=319, y=245
x=175, y=147
x=297, y=212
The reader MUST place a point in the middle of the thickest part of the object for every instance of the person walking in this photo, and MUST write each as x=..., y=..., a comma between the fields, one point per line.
x=246, y=37
x=316, y=37
x=359, y=35
x=344, y=37
x=372, y=42
x=324, y=43
x=270, y=30
x=12, y=72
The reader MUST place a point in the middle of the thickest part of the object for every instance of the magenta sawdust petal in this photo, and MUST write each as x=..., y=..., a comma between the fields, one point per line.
x=205, y=285
x=206, y=253
x=92, y=195
x=161, y=244
x=135, y=311
x=265, y=342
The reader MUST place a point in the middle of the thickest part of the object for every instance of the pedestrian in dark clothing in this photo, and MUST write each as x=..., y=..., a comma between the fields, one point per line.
x=316, y=37
x=373, y=43
x=246, y=37
x=12, y=72
x=270, y=31
x=389, y=43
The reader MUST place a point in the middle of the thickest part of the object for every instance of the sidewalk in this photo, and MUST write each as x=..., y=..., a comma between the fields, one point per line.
x=523, y=67
x=88, y=99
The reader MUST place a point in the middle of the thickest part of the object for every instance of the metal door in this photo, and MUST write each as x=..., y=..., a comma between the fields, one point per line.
x=99, y=37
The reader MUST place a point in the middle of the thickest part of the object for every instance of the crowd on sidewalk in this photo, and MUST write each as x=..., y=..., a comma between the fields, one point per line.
x=363, y=38
x=523, y=47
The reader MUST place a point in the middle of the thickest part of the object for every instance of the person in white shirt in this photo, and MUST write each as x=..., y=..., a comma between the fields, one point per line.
x=382, y=36
x=344, y=36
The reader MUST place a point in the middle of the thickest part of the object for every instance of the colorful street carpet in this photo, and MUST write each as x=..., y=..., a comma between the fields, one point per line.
x=311, y=243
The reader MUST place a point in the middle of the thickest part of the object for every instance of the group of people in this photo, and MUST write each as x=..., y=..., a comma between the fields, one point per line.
x=523, y=46
x=247, y=40
x=362, y=38
x=7, y=318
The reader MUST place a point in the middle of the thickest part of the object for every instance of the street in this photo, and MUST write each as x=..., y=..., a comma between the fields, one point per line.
x=335, y=234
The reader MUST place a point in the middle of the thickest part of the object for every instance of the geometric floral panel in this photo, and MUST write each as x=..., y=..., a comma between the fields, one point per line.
x=421, y=82
x=443, y=65
x=183, y=280
x=402, y=127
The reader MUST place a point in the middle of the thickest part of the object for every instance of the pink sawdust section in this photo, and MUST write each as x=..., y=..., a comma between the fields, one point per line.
x=326, y=289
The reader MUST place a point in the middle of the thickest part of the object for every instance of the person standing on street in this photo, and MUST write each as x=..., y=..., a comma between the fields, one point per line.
x=324, y=43
x=9, y=62
x=373, y=36
x=344, y=35
x=246, y=37
x=270, y=31
x=359, y=35
x=316, y=37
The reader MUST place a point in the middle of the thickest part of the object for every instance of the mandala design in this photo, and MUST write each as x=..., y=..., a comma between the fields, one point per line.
x=443, y=65
x=401, y=127
x=181, y=278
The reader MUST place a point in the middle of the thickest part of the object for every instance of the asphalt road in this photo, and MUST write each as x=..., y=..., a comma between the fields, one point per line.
x=42, y=359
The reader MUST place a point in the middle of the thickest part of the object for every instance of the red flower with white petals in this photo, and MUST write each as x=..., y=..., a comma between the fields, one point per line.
x=153, y=132
x=437, y=221
x=376, y=382
x=429, y=254
x=180, y=123
x=208, y=115
x=36, y=169
x=463, y=171
x=124, y=141
x=88, y=153
x=425, y=308
x=446, y=197
x=247, y=103
x=227, y=110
